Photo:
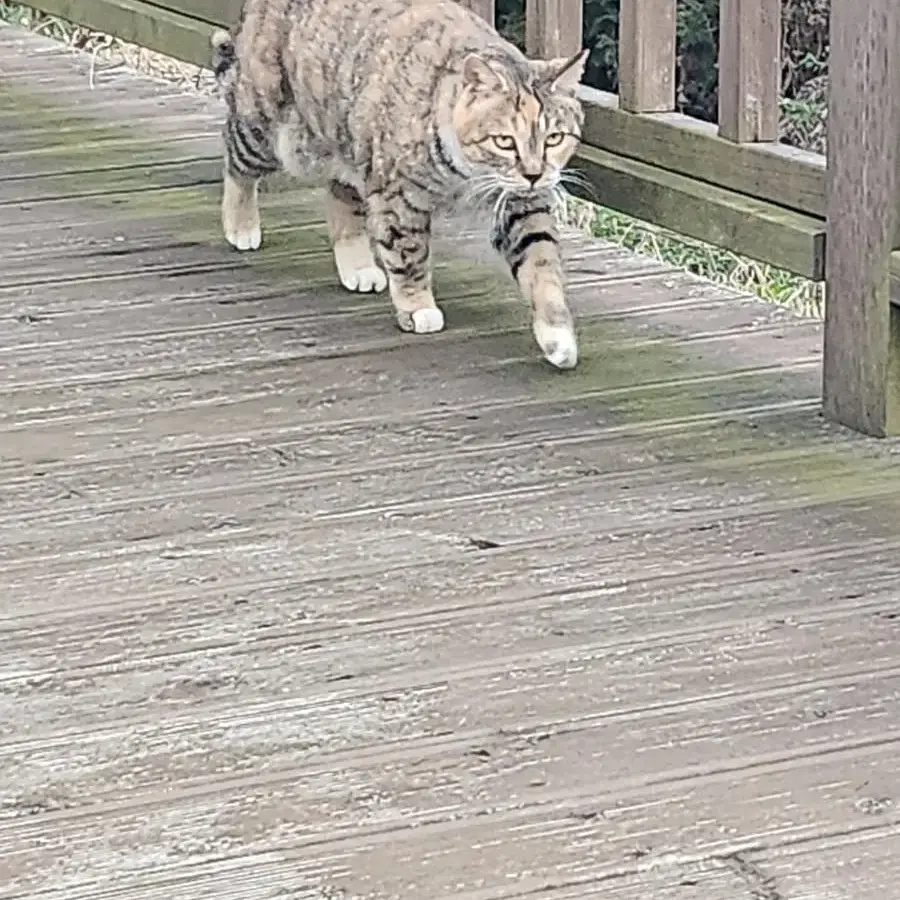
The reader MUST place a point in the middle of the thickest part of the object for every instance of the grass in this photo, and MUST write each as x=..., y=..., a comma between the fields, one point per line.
x=711, y=262
x=722, y=266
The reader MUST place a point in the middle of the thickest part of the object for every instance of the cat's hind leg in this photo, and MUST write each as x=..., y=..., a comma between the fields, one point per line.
x=346, y=215
x=248, y=158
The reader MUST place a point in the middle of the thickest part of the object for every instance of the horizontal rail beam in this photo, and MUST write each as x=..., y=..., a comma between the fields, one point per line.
x=775, y=173
x=139, y=23
x=742, y=224
x=222, y=13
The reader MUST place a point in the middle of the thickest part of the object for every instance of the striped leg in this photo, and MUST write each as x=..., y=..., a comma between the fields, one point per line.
x=526, y=237
x=248, y=157
x=401, y=232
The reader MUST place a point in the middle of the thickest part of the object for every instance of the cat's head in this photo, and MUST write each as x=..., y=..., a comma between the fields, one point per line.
x=519, y=121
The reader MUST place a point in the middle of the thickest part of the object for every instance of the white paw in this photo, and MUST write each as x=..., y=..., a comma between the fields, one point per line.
x=244, y=238
x=356, y=266
x=558, y=343
x=427, y=321
x=363, y=280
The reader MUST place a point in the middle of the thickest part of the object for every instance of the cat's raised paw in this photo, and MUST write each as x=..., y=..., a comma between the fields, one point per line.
x=558, y=343
x=244, y=238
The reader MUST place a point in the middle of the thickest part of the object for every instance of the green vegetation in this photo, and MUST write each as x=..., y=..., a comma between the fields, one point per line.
x=804, y=79
x=740, y=272
x=51, y=26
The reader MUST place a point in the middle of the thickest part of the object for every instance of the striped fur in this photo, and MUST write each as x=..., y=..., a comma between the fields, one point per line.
x=404, y=108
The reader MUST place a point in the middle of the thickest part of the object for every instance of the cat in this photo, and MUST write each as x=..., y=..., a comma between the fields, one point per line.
x=403, y=107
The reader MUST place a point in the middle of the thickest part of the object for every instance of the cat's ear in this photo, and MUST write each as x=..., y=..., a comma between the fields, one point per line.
x=483, y=76
x=563, y=75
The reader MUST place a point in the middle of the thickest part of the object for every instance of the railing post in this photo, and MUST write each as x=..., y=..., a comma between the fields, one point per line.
x=749, y=69
x=484, y=8
x=861, y=380
x=553, y=28
x=647, y=55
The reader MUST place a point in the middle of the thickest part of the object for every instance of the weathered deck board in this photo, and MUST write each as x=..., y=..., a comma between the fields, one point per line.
x=296, y=605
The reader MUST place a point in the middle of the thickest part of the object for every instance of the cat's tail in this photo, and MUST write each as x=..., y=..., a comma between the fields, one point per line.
x=224, y=55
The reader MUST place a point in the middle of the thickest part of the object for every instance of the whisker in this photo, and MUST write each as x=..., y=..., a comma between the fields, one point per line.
x=560, y=206
x=476, y=199
x=479, y=189
x=572, y=172
x=500, y=208
x=481, y=201
x=579, y=180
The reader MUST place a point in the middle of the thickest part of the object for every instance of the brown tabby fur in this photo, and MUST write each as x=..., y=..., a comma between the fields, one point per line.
x=404, y=107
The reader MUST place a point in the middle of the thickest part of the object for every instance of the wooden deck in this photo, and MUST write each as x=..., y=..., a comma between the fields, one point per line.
x=294, y=605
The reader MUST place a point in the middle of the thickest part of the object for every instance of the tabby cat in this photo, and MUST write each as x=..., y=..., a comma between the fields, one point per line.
x=404, y=108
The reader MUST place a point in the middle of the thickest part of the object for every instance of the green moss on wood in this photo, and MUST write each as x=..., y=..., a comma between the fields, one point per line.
x=634, y=382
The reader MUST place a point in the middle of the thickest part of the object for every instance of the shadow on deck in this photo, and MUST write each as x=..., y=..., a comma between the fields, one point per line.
x=297, y=605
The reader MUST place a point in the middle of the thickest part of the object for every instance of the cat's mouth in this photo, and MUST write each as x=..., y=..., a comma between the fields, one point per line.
x=530, y=189
x=498, y=190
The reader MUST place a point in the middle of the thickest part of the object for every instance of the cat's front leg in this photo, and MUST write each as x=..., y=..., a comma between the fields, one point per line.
x=400, y=229
x=525, y=234
x=346, y=214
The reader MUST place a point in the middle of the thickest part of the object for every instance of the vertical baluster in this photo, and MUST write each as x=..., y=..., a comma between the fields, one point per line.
x=484, y=8
x=749, y=69
x=553, y=28
x=647, y=55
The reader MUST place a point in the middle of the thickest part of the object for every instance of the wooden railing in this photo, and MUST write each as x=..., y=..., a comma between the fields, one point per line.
x=730, y=184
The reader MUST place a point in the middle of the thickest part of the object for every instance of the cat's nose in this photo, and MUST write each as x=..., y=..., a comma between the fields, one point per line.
x=532, y=177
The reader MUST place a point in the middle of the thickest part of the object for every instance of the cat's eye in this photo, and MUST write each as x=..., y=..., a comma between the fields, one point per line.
x=504, y=141
x=554, y=139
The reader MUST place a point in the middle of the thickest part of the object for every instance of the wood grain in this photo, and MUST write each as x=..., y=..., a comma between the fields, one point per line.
x=485, y=8
x=862, y=334
x=647, y=55
x=221, y=13
x=749, y=69
x=296, y=605
x=553, y=28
